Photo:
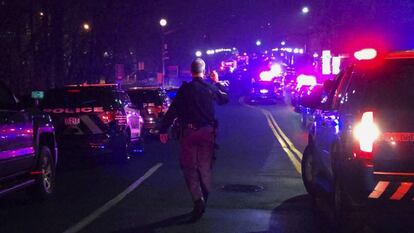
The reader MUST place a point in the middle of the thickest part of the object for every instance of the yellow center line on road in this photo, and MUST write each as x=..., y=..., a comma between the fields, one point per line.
x=288, y=141
x=280, y=136
x=289, y=153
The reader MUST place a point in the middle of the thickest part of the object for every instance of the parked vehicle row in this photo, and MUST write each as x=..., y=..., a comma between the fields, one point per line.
x=99, y=120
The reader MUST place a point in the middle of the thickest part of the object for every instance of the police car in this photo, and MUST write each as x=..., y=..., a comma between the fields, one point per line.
x=268, y=87
x=96, y=118
x=361, y=147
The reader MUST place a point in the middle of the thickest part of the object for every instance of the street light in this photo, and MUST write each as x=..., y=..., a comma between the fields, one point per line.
x=283, y=43
x=305, y=10
x=198, y=53
x=258, y=43
x=163, y=22
x=86, y=27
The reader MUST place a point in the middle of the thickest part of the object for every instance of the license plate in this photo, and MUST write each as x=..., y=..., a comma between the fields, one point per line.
x=71, y=121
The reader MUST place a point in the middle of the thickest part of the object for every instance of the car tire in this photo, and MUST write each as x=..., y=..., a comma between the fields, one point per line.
x=308, y=171
x=45, y=183
x=346, y=218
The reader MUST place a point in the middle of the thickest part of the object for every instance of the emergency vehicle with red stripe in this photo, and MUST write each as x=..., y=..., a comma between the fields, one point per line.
x=96, y=118
x=361, y=146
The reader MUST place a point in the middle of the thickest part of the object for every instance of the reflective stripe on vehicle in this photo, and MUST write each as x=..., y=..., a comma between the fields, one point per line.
x=91, y=124
x=395, y=191
x=379, y=189
x=401, y=191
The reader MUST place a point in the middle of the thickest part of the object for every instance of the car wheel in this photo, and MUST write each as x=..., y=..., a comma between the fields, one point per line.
x=345, y=217
x=308, y=171
x=45, y=182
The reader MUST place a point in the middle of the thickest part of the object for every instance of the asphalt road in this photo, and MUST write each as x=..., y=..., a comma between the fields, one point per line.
x=149, y=195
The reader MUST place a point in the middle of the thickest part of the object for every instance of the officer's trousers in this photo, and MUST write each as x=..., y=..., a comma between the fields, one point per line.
x=197, y=150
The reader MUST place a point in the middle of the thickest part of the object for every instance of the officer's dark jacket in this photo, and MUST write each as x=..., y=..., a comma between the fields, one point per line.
x=194, y=104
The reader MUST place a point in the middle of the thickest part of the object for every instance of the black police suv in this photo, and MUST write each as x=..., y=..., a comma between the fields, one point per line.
x=361, y=148
x=153, y=102
x=28, y=149
x=95, y=118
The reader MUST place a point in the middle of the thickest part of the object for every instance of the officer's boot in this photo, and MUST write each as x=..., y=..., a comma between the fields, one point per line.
x=198, y=210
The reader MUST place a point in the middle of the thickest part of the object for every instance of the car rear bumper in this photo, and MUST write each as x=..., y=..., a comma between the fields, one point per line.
x=91, y=144
x=265, y=97
x=366, y=185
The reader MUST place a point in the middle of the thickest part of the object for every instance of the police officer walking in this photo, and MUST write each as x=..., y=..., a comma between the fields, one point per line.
x=193, y=107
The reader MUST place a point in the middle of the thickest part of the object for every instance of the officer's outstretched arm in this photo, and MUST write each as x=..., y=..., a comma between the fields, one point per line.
x=221, y=95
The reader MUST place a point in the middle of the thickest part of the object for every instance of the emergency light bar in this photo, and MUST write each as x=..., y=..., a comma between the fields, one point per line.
x=365, y=54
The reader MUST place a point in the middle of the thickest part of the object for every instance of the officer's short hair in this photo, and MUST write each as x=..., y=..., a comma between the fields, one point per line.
x=198, y=66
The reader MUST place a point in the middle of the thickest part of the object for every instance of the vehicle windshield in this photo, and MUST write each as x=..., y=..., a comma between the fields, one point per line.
x=79, y=97
x=145, y=96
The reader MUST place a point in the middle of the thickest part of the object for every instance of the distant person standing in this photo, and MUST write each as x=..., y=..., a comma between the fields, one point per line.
x=193, y=108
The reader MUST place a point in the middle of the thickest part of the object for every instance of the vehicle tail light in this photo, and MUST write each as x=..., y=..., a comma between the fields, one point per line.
x=366, y=132
x=110, y=116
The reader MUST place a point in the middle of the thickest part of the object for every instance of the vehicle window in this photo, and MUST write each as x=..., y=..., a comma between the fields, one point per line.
x=340, y=92
x=354, y=95
x=391, y=86
x=79, y=97
x=328, y=98
x=145, y=96
x=7, y=99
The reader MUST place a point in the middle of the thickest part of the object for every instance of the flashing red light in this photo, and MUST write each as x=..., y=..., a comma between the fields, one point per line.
x=109, y=116
x=365, y=54
x=366, y=132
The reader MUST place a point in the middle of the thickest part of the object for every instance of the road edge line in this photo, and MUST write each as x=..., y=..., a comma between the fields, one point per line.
x=98, y=212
